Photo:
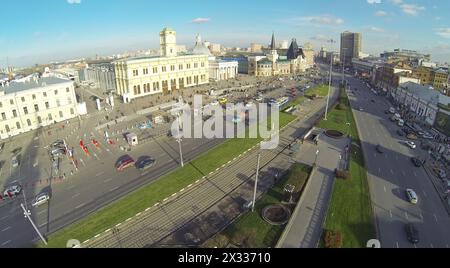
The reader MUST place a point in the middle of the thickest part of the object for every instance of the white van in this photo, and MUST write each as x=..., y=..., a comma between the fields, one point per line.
x=401, y=123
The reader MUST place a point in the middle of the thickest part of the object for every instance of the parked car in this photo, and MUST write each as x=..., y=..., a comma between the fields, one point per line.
x=416, y=161
x=40, y=199
x=427, y=136
x=379, y=149
x=124, y=162
x=13, y=190
x=400, y=132
x=15, y=161
x=56, y=152
x=412, y=196
x=145, y=162
x=410, y=144
x=412, y=233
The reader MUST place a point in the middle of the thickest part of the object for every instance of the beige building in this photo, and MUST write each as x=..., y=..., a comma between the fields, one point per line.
x=256, y=48
x=36, y=102
x=137, y=77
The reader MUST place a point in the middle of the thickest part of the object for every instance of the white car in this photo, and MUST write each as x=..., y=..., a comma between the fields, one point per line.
x=15, y=161
x=410, y=144
x=412, y=196
x=214, y=103
x=42, y=198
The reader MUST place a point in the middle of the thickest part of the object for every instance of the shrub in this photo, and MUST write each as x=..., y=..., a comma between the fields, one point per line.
x=333, y=239
x=342, y=174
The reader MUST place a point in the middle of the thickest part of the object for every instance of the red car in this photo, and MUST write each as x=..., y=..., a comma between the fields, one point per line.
x=124, y=162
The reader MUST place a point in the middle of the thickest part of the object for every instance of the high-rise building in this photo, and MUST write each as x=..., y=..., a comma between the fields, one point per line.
x=351, y=46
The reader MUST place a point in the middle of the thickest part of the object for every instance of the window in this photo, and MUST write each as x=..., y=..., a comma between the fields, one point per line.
x=56, y=92
x=39, y=120
x=45, y=94
x=67, y=89
x=195, y=65
x=7, y=128
x=180, y=67
x=145, y=71
x=137, y=90
x=25, y=110
x=155, y=86
x=58, y=103
x=72, y=111
x=34, y=96
x=155, y=70
x=69, y=100
x=11, y=102
x=14, y=113
x=50, y=117
x=29, y=122
x=36, y=108
x=47, y=105
x=1, y=104
x=23, y=99
x=61, y=114
x=163, y=69
x=135, y=72
x=3, y=116
x=18, y=125
x=203, y=64
x=188, y=66
x=172, y=67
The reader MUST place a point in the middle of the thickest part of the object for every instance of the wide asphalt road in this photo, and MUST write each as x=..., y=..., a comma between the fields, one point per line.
x=391, y=172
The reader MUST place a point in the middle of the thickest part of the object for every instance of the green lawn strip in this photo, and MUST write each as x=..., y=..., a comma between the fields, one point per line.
x=321, y=91
x=250, y=230
x=149, y=195
x=350, y=210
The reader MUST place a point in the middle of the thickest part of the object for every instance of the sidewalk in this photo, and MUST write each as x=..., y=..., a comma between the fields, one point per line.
x=305, y=226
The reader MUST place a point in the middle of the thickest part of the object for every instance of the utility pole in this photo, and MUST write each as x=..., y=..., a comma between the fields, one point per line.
x=256, y=182
x=179, y=139
x=27, y=214
x=343, y=66
x=329, y=83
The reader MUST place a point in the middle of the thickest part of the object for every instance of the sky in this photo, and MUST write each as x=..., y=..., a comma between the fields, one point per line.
x=40, y=31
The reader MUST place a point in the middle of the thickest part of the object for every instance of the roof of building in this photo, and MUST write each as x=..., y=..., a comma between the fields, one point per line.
x=273, y=44
x=293, y=50
x=200, y=48
x=426, y=93
x=14, y=87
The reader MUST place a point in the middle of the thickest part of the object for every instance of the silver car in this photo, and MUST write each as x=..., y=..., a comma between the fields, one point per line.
x=40, y=199
x=15, y=161
x=412, y=196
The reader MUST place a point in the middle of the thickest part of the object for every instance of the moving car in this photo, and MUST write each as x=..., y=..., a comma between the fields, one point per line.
x=416, y=161
x=124, y=162
x=40, y=199
x=13, y=190
x=412, y=196
x=15, y=161
x=410, y=144
x=392, y=110
x=412, y=233
x=145, y=162
x=379, y=149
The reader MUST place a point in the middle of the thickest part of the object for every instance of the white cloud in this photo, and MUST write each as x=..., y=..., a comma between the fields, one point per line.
x=381, y=13
x=374, y=2
x=201, y=20
x=412, y=9
x=376, y=29
x=443, y=32
x=320, y=37
x=74, y=1
x=321, y=20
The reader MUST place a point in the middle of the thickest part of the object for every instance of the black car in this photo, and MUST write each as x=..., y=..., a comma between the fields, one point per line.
x=145, y=162
x=416, y=162
x=386, y=112
x=412, y=233
x=400, y=132
x=379, y=149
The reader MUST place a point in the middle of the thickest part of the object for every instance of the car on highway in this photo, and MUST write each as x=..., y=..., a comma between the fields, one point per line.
x=427, y=136
x=57, y=152
x=12, y=190
x=15, y=161
x=145, y=162
x=400, y=132
x=379, y=149
x=412, y=196
x=410, y=144
x=361, y=109
x=124, y=162
x=416, y=161
x=412, y=233
x=40, y=199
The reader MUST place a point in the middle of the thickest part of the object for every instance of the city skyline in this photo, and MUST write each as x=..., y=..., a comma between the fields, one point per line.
x=65, y=29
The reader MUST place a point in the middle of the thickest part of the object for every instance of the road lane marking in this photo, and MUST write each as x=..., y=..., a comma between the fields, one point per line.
x=6, y=242
x=415, y=174
x=397, y=244
x=392, y=172
x=98, y=174
x=415, y=246
x=406, y=215
x=41, y=212
x=431, y=245
x=390, y=213
x=75, y=195
x=113, y=189
x=107, y=180
x=384, y=187
x=6, y=229
x=7, y=216
x=379, y=170
x=42, y=224
x=446, y=245
x=79, y=206
x=435, y=217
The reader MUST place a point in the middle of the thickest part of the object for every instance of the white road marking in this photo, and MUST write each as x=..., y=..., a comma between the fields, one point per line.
x=406, y=215
x=421, y=216
x=115, y=188
x=98, y=174
x=4, y=217
x=41, y=212
x=110, y=179
x=431, y=245
x=43, y=224
x=397, y=244
x=80, y=205
x=6, y=229
x=435, y=217
x=384, y=187
x=415, y=246
x=75, y=195
x=379, y=170
x=6, y=242
x=446, y=245
x=392, y=172
x=390, y=213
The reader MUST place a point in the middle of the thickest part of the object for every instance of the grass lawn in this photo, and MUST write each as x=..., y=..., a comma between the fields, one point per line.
x=148, y=195
x=250, y=230
x=350, y=210
x=320, y=91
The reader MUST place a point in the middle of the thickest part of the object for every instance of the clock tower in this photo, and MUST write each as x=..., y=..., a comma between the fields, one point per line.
x=168, y=42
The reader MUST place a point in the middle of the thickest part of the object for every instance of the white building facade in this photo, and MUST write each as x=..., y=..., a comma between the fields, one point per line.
x=35, y=103
x=222, y=70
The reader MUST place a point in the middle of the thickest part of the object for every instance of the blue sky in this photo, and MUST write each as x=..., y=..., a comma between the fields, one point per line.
x=38, y=31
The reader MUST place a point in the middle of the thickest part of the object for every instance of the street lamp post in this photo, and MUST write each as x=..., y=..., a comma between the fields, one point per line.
x=343, y=65
x=256, y=182
x=27, y=214
x=317, y=154
x=329, y=83
x=181, y=152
